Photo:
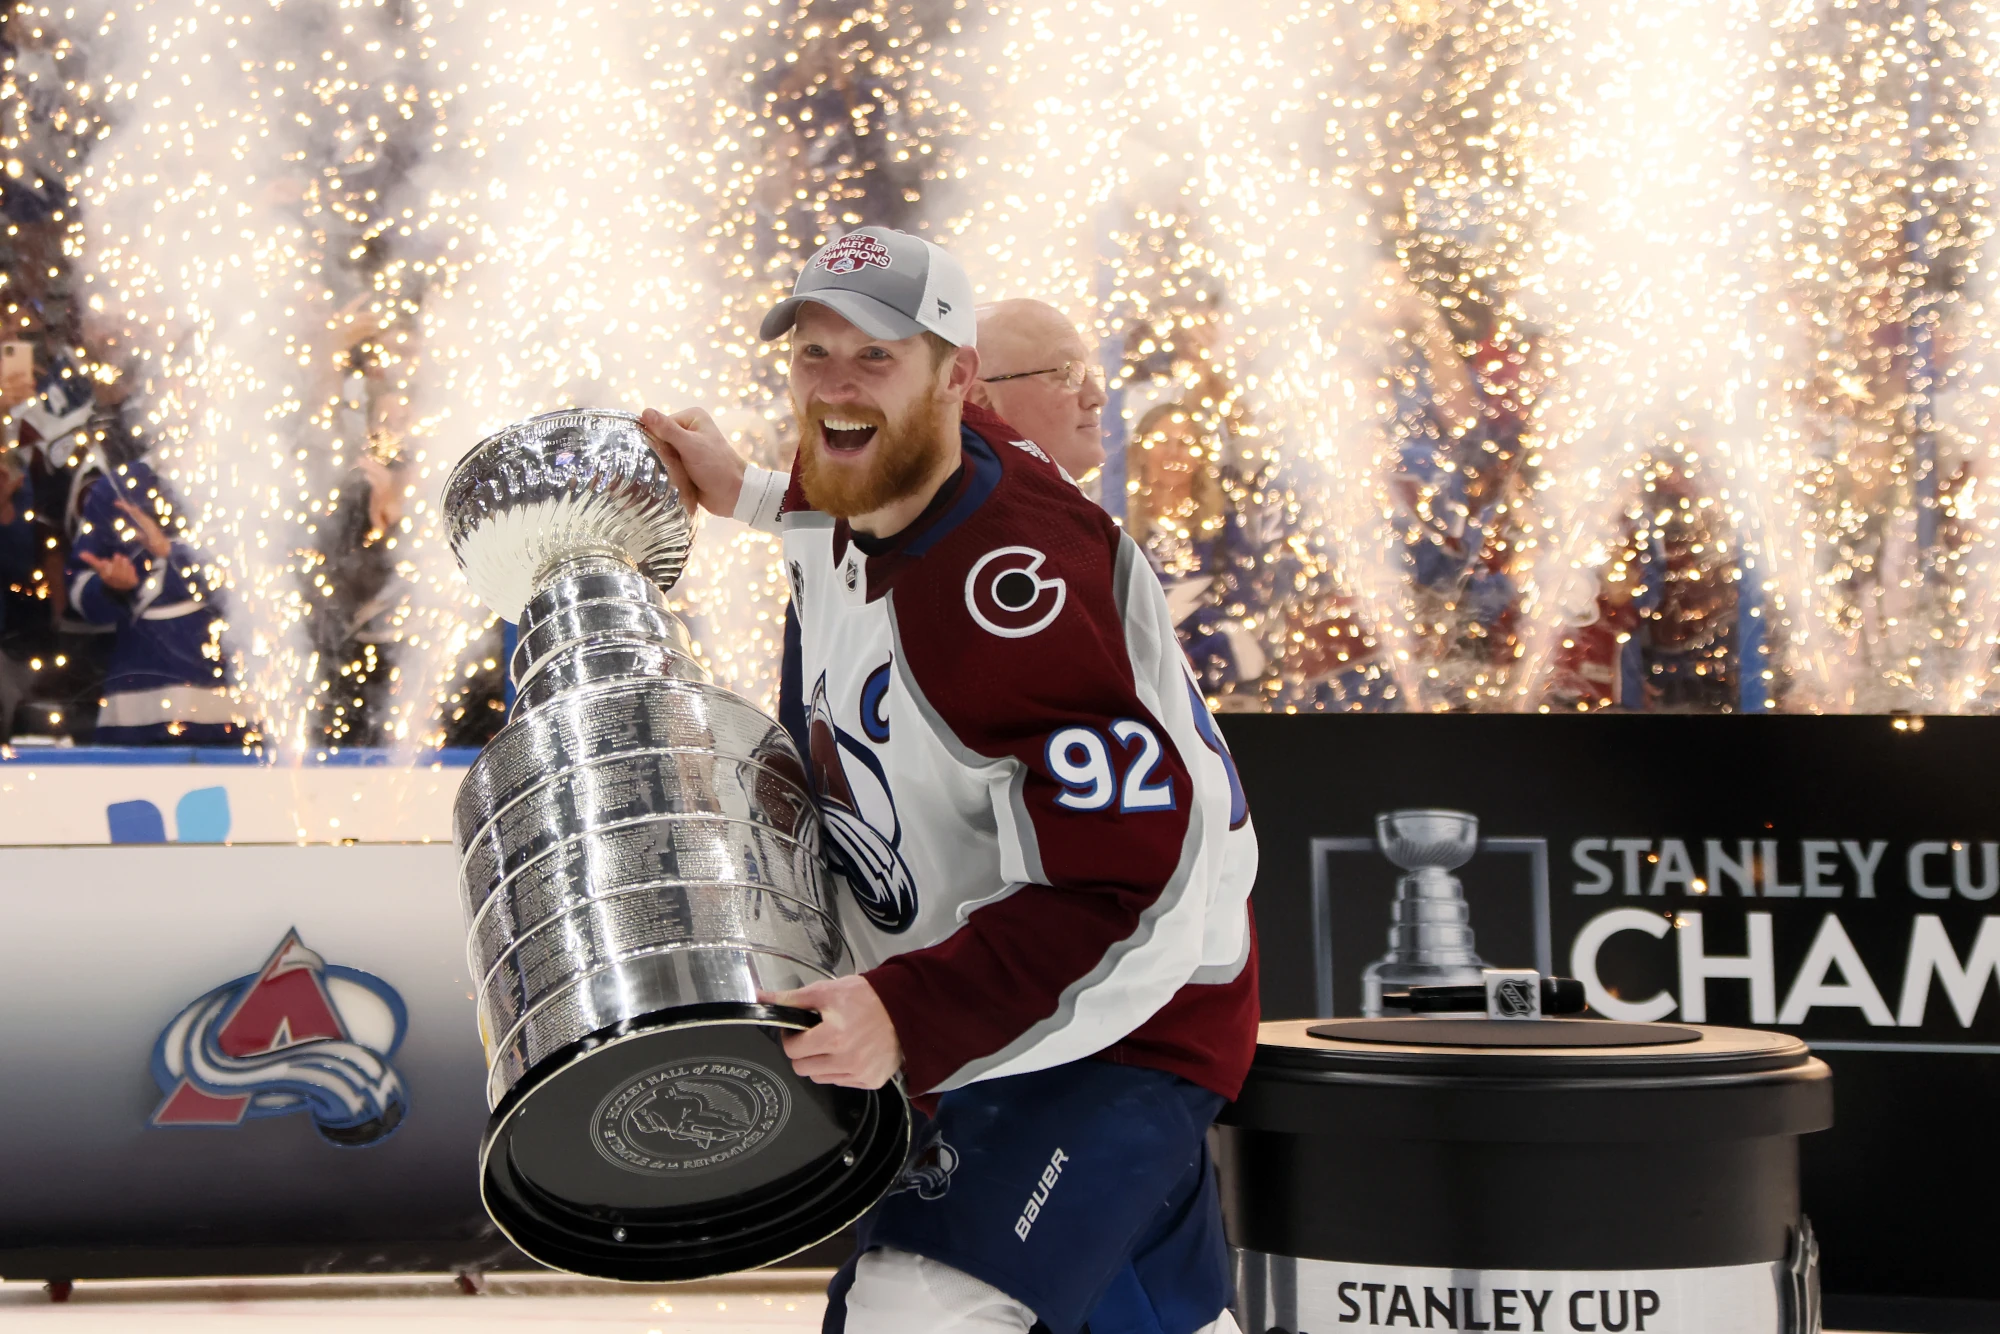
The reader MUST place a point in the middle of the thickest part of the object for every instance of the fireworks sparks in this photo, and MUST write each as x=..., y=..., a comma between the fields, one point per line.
x=1465, y=354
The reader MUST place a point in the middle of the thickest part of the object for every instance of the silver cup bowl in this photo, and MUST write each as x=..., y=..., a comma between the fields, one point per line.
x=639, y=858
x=1416, y=839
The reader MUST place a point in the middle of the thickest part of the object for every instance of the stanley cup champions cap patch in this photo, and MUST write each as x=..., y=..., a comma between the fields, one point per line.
x=888, y=284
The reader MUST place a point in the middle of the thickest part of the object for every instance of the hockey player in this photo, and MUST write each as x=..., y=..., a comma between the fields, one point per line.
x=1047, y=850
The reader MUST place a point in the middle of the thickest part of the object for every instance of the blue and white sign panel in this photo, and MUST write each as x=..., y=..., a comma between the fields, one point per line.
x=235, y=1022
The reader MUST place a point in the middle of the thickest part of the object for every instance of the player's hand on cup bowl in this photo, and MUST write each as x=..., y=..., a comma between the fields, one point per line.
x=698, y=457
x=854, y=1043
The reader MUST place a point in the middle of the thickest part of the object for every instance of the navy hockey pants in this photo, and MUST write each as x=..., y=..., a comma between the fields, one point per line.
x=1085, y=1192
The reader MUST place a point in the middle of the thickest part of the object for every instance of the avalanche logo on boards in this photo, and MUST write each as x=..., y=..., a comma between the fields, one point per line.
x=298, y=1035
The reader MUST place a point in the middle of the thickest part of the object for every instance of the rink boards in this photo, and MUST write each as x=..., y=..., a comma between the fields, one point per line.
x=1830, y=877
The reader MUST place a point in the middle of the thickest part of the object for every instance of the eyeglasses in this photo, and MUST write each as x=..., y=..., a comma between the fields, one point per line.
x=1073, y=373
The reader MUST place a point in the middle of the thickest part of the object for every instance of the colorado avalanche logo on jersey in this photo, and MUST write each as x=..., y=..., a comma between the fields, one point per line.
x=852, y=252
x=1007, y=595
x=295, y=1036
x=928, y=1169
x=855, y=802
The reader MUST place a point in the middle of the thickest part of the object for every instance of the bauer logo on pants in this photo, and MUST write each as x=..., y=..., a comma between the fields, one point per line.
x=298, y=1035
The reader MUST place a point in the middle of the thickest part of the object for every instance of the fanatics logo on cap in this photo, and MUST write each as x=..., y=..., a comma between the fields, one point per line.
x=851, y=252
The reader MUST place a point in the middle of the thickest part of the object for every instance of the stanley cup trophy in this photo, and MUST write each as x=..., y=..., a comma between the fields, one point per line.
x=639, y=855
x=1430, y=932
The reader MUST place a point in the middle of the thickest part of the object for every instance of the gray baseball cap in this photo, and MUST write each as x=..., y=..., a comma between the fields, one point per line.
x=886, y=283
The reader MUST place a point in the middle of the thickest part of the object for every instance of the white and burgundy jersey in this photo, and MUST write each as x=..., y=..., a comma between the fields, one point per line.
x=1047, y=852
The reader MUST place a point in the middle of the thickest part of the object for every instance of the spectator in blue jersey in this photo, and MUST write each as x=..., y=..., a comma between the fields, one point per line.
x=165, y=681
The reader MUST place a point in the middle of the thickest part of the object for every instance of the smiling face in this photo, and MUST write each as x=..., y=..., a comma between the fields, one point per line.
x=878, y=420
x=1023, y=335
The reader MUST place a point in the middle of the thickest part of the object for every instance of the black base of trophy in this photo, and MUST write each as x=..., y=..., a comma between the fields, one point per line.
x=681, y=1145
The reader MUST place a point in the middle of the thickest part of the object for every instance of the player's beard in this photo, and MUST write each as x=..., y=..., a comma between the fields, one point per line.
x=901, y=457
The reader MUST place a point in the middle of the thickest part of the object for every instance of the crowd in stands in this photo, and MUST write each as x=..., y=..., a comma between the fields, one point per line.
x=112, y=626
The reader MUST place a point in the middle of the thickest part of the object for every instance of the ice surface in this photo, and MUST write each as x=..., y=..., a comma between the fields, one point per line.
x=775, y=1302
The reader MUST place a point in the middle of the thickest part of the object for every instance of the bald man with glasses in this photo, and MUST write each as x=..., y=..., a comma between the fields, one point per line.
x=1039, y=376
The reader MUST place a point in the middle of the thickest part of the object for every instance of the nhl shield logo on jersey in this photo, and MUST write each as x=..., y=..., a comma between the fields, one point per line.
x=852, y=252
x=1007, y=595
x=857, y=806
x=298, y=1035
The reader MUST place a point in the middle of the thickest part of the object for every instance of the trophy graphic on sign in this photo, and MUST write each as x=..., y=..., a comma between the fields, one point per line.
x=1430, y=928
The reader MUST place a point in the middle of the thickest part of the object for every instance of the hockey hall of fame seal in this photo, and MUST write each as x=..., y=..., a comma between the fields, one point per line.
x=690, y=1115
